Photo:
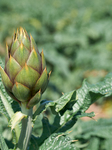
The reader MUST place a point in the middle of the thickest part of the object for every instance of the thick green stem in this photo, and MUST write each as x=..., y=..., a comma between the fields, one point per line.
x=26, y=128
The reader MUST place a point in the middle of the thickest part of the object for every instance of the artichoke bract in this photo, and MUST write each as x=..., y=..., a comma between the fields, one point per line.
x=25, y=75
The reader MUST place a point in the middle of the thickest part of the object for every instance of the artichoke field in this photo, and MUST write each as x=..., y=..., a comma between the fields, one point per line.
x=25, y=75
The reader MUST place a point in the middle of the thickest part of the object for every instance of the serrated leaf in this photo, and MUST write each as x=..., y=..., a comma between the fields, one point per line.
x=81, y=99
x=59, y=142
x=61, y=102
x=16, y=118
x=8, y=111
x=47, y=131
x=69, y=110
x=3, y=145
x=41, y=107
x=48, y=128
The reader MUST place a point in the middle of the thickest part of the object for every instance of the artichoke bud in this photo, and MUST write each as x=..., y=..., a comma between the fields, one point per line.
x=25, y=75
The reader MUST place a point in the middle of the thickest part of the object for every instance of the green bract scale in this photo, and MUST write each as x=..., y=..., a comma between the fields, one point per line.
x=25, y=75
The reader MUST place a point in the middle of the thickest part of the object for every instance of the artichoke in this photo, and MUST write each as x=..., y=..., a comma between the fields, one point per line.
x=25, y=75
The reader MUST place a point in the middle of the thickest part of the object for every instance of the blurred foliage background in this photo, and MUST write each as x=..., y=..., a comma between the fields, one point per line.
x=76, y=37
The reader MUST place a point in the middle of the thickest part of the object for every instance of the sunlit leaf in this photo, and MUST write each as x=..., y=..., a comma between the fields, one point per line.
x=58, y=141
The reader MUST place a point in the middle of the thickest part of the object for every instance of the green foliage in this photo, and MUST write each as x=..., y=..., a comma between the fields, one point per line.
x=3, y=145
x=58, y=141
x=94, y=135
x=71, y=106
x=76, y=41
x=67, y=109
x=76, y=37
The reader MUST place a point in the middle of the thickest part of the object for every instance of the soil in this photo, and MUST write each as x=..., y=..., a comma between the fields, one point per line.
x=99, y=113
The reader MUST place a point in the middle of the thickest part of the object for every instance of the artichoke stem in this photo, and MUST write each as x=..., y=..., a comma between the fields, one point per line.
x=26, y=128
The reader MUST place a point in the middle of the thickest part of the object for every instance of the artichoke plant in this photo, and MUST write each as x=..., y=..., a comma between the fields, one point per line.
x=25, y=75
